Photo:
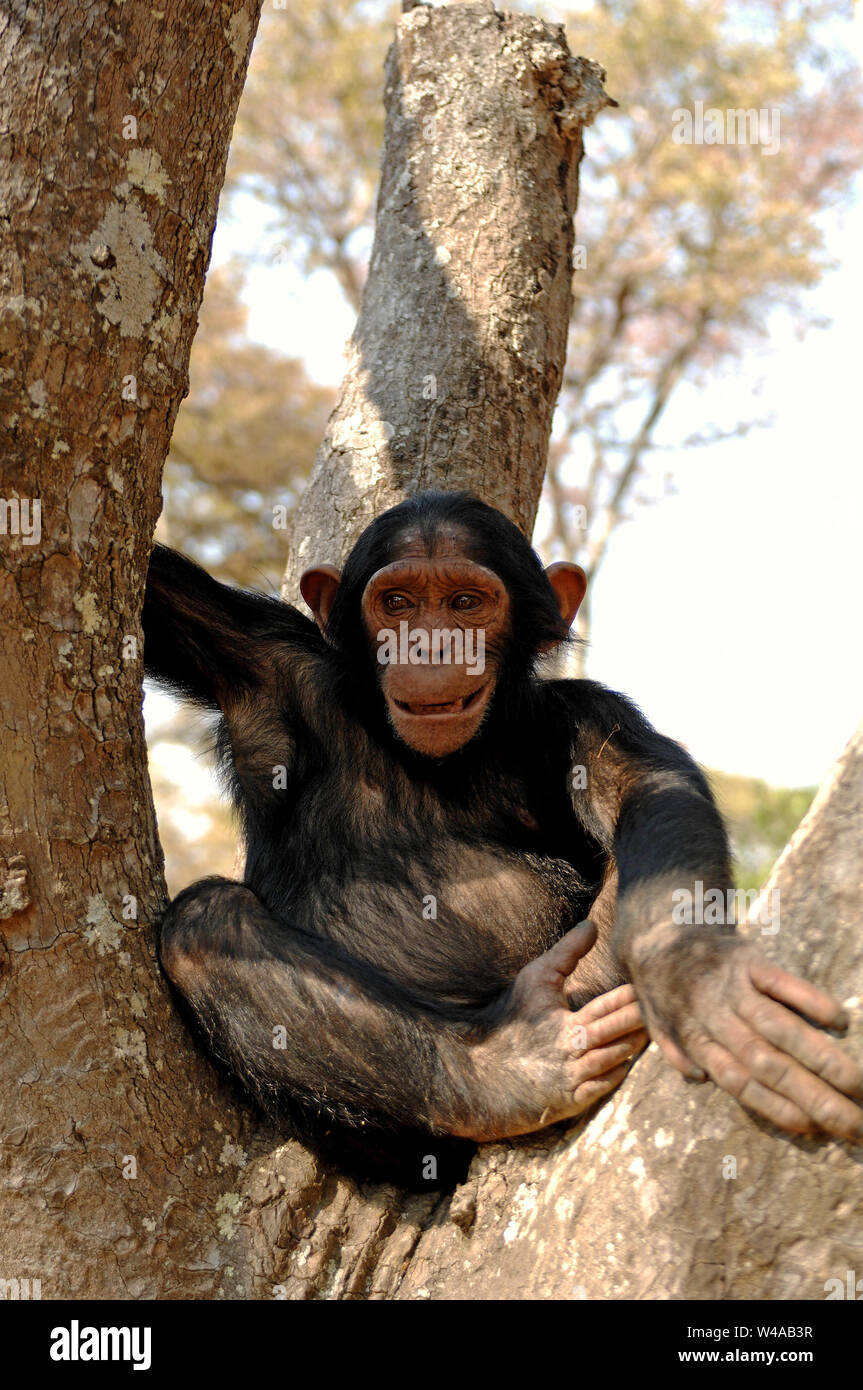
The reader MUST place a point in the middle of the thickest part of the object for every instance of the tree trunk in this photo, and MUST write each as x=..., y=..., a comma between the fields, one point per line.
x=457, y=357
x=127, y=1169
x=115, y=1140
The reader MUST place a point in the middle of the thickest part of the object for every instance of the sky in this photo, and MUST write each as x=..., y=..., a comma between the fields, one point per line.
x=729, y=611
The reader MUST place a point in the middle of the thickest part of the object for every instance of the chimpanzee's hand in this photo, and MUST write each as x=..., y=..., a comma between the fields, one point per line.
x=541, y=1062
x=714, y=1004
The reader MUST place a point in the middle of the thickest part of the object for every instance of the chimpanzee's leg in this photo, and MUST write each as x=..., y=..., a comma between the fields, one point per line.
x=299, y=1021
x=314, y=1035
x=272, y=1005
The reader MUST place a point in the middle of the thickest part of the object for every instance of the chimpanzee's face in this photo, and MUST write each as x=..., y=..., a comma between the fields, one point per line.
x=437, y=625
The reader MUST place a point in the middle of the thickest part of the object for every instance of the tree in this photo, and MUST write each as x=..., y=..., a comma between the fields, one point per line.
x=461, y=365
x=685, y=250
x=129, y=1168
x=115, y=1133
x=693, y=245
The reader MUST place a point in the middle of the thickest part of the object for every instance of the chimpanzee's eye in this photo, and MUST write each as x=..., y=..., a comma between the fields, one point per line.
x=463, y=602
x=394, y=603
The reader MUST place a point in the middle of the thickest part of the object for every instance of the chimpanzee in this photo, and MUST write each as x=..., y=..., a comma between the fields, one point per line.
x=456, y=914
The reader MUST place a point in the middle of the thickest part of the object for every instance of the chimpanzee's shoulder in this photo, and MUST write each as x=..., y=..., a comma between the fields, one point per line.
x=589, y=704
x=598, y=717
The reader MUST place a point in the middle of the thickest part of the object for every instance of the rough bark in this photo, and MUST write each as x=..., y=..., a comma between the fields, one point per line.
x=104, y=241
x=456, y=360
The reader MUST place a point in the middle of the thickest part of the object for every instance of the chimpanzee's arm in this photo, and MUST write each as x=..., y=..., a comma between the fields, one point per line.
x=207, y=641
x=714, y=1004
x=644, y=798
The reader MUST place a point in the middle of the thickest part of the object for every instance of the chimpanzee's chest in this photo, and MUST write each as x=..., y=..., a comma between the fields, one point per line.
x=453, y=884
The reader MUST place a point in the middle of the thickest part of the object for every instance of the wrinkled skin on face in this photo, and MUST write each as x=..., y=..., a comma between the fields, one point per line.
x=438, y=627
x=439, y=671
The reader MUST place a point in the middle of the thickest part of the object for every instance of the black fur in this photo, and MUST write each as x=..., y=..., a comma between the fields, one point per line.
x=326, y=937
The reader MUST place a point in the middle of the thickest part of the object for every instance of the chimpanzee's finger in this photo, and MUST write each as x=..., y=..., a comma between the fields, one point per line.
x=777, y=1072
x=673, y=1053
x=564, y=955
x=736, y=1078
x=606, y=1003
x=600, y=1060
x=613, y=1025
x=816, y=1051
x=799, y=994
x=586, y=1092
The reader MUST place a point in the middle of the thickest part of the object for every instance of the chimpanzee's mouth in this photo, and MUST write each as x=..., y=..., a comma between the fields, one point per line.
x=449, y=707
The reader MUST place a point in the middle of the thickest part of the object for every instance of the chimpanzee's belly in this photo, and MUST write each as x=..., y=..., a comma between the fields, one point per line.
x=457, y=920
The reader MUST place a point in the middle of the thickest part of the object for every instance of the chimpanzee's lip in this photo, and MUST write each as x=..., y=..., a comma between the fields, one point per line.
x=447, y=710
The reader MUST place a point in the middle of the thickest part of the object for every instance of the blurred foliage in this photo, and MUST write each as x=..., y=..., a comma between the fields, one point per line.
x=196, y=824
x=760, y=818
x=690, y=247
x=309, y=131
x=244, y=442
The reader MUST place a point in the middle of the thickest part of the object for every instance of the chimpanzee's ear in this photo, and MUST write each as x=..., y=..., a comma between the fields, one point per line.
x=318, y=588
x=569, y=583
